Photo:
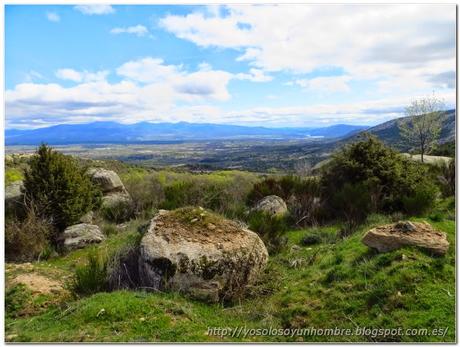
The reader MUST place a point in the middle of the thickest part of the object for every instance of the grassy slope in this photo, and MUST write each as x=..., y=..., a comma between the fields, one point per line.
x=323, y=286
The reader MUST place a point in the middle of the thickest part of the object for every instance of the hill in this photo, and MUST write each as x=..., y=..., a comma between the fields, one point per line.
x=145, y=132
x=388, y=132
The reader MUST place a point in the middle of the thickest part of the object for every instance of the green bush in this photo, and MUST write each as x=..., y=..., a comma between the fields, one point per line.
x=26, y=240
x=91, y=277
x=353, y=204
x=222, y=192
x=146, y=191
x=271, y=229
x=387, y=176
x=59, y=188
x=421, y=201
x=117, y=210
x=446, y=178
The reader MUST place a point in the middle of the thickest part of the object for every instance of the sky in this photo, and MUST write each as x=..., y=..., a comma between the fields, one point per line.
x=271, y=65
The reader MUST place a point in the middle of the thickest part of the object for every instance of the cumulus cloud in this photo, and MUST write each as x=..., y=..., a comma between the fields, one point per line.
x=329, y=84
x=53, y=17
x=392, y=42
x=138, y=30
x=255, y=75
x=81, y=76
x=95, y=9
x=149, y=89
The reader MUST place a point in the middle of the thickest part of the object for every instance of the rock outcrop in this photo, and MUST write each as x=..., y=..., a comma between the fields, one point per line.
x=389, y=237
x=107, y=180
x=273, y=205
x=115, y=196
x=196, y=252
x=80, y=235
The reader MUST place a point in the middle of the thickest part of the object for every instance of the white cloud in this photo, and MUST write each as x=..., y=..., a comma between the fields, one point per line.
x=81, y=76
x=53, y=17
x=329, y=84
x=149, y=89
x=255, y=75
x=396, y=43
x=95, y=9
x=138, y=30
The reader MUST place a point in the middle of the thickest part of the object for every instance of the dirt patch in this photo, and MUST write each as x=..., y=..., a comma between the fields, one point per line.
x=196, y=225
x=39, y=284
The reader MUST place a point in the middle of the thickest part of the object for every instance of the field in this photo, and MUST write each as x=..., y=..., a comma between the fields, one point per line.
x=251, y=155
x=337, y=283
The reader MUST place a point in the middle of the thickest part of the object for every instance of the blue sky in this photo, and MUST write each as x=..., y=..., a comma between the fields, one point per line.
x=242, y=64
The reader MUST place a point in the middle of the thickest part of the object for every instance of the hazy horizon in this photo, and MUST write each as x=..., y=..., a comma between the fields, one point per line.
x=237, y=64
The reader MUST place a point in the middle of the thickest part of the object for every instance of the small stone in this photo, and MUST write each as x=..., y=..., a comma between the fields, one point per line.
x=142, y=319
x=211, y=226
x=11, y=337
x=295, y=248
x=194, y=220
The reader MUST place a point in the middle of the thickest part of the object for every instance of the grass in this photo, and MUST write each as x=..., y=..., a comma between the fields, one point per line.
x=321, y=285
x=12, y=175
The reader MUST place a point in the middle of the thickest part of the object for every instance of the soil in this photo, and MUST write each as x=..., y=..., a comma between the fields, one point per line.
x=197, y=225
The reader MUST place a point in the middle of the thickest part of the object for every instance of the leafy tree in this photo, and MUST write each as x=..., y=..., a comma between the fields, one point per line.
x=423, y=127
x=59, y=188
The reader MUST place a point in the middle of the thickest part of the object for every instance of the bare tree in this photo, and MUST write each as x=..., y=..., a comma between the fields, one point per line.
x=423, y=127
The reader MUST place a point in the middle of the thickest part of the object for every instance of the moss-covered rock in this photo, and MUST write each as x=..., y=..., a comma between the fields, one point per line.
x=194, y=251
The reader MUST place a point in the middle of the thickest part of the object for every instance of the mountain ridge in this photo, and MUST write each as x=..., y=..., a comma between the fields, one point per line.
x=113, y=132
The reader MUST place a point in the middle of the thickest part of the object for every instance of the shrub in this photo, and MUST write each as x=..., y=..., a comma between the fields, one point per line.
x=59, y=188
x=117, y=210
x=446, y=178
x=421, y=201
x=91, y=277
x=223, y=192
x=353, y=203
x=387, y=176
x=123, y=267
x=271, y=229
x=146, y=191
x=26, y=240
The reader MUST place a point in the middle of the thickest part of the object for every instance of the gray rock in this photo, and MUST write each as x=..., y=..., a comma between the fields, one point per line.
x=208, y=264
x=107, y=180
x=80, y=235
x=273, y=205
x=389, y=237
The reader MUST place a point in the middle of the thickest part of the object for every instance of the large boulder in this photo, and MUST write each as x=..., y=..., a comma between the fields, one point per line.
x=81, y=235
x=117, y=204
x=196, y=252
x=107, y=180
x=14, y=197
x=273, y=205
x=389, y=237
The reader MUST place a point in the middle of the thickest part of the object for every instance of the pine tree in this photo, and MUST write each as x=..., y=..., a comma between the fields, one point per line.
x=59, y=188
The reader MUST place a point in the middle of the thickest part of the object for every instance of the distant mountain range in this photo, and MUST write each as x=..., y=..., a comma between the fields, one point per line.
x=145, y=132
x=388, y=132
